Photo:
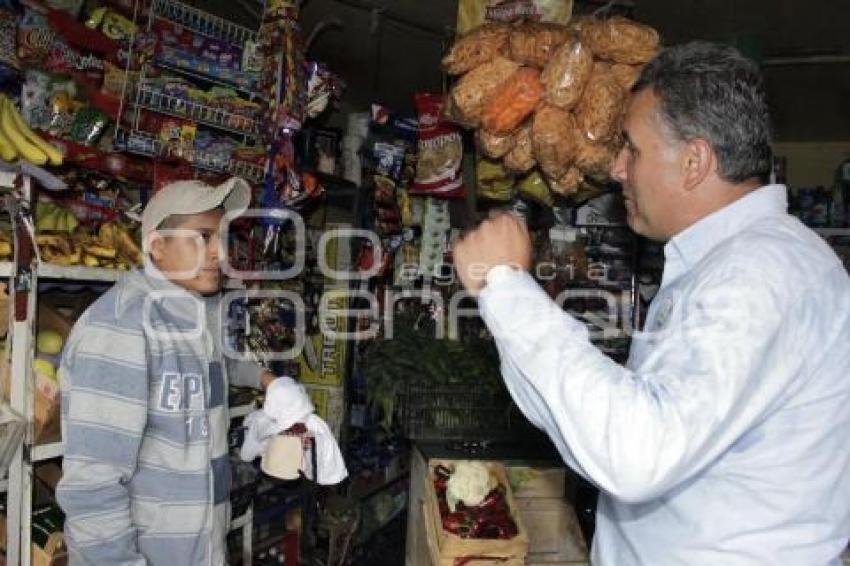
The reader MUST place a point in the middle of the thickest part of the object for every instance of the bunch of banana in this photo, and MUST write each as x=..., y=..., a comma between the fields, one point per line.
x=114, y=247
x=117, y=236
x=58, y=248
x=18, y=140
x=5, y=245
x=50, y=217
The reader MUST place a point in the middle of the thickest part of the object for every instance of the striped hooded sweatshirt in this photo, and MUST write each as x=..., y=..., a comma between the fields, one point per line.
x=146, y=476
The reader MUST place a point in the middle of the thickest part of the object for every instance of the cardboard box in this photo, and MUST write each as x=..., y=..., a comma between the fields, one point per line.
x=553, y=530
x=528, y=481
x=451, y=546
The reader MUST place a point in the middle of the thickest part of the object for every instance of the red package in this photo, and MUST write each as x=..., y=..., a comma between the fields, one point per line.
x=438, y=167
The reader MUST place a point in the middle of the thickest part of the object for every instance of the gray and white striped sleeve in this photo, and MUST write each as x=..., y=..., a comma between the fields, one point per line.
x=104, y=413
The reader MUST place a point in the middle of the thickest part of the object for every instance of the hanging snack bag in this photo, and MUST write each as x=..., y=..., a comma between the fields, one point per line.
x=473, y=13
x=438, y=169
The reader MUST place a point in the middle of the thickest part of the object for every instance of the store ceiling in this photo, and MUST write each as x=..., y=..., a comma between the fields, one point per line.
x=390, y=57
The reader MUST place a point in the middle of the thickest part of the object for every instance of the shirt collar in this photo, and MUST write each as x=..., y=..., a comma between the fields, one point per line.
x=689, y=246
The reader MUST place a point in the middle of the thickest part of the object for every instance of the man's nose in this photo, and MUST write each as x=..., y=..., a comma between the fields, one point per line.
x=215, y=248
x=618, y=167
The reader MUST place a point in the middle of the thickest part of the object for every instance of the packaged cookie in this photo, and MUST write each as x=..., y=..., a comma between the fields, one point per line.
x=595, y=159
x=626, y=75
x=568, y=184
x=566, y=74
x=476, y=47
x=513, y=102
x=601, y=106
x=620, y=40
x=473, y=91
x=521, y=158
x=494, y=146
x=534, y=43
x=554, y=138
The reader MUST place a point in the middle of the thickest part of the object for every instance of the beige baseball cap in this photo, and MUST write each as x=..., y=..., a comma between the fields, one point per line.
x=195, y=197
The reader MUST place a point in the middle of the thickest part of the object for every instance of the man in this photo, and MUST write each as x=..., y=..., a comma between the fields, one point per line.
x=725, y=440
x=144, y=396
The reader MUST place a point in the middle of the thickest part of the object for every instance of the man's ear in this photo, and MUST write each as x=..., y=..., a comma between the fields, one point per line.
x=698, y=162
x=156, y=246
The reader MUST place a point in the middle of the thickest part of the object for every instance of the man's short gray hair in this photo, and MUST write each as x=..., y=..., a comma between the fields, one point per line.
x=711, y=91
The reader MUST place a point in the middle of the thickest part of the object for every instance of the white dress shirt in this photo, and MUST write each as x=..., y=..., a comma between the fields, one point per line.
x=725, y=440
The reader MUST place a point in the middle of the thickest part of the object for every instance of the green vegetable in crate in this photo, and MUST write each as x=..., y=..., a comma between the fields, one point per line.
x=414, y=357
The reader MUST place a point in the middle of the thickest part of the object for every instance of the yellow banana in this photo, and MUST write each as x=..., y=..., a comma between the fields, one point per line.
x=53, y=154
x=25, y=148
x=56, y=241
x=67, y=259
x=5, y=248
x=128, y=245
x=100, y=251
x=90, y=261
x=7, y=149
x=106, y=234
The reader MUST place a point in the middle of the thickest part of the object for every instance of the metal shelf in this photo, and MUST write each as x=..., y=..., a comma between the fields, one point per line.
x=201, y=22
x=209, y=116
x=241, y=520
x=142, y=143
x=7, y=269
x=244, y=88
x=78, y=273
x=47, y=451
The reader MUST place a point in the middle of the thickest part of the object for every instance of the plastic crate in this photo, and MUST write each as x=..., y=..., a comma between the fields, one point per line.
x=12, y=427
x=456, y=412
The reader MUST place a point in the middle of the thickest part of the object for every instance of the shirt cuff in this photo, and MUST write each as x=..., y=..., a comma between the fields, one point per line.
x=499, y=273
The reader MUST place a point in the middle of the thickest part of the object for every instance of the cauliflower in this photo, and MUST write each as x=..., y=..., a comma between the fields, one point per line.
x=470, y=483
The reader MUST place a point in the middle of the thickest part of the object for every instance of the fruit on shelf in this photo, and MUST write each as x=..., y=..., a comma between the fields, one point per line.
x=23, y=148
x=50, y=217
x=44, y=367
x=18, y=140
x=5, y=245
x=113, y=247
x=49, y=342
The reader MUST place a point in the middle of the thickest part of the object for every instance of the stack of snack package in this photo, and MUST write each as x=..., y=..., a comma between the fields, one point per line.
x=547, y=99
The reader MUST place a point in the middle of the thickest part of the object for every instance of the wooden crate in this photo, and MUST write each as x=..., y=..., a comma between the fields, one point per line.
x=438, y=560
x=528, y=481
x=449, y=545
x=554, y=533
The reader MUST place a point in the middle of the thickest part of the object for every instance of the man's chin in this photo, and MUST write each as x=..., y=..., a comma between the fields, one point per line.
x=203, y=285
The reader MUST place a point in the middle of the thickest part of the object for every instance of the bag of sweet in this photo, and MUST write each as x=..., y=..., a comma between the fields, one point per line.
x=440, y=148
